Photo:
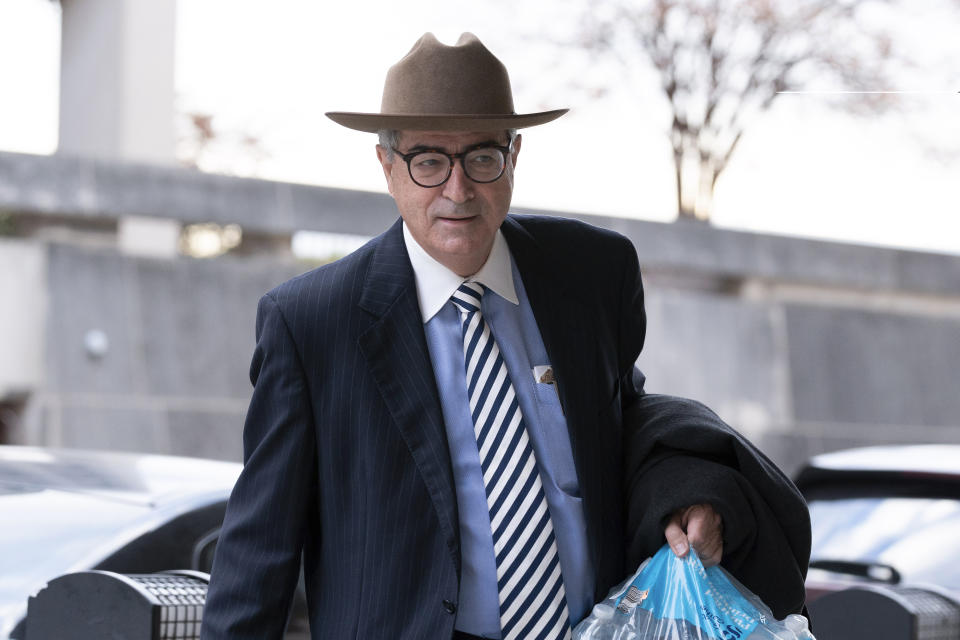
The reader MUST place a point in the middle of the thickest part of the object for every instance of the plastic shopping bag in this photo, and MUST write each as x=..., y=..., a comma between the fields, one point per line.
x=671, y=598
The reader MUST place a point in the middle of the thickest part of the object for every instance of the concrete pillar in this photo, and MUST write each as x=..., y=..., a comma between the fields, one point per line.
x=116, y=79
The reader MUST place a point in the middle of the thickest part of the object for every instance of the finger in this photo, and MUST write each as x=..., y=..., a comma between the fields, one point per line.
x=710, y=552
x=704, y=528
x=675, y=536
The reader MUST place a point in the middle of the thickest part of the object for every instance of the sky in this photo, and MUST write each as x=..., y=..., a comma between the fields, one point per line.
x=801, y=169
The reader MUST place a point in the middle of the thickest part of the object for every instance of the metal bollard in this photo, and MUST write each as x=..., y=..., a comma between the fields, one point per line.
x=882, y=612
x=102, y=604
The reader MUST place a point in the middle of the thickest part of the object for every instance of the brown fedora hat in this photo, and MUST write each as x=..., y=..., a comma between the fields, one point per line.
x=436, y=87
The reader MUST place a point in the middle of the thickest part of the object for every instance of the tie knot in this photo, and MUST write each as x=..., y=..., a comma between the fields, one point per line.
x=467, y=296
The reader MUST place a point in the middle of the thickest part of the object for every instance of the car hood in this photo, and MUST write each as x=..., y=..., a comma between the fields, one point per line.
x=66, y=511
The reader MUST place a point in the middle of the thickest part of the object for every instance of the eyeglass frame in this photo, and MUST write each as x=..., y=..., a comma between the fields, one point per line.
x=453, y=157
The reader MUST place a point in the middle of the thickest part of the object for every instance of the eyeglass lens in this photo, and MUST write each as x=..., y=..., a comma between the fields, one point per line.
x=431, y=168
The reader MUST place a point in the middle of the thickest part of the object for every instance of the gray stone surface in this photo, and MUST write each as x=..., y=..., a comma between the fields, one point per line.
x=113, y=428
x=99, y=189
x=212, y=433
x=718, y=350
x=925, y=272
x=694, y=246
x=181, y=334
x=206, y=434
x=788, y=450
x=92, y=290
x=96, y=188
x=181, y=327
x=193, y=331
x=852, y=366
x=198, y=323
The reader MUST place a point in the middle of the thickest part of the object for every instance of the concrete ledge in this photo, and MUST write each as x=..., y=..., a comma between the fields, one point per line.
x=695, y=246
x=99, y=189
x=89, y=188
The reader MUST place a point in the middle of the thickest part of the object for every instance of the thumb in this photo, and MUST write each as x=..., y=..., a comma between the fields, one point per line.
x=675, y=535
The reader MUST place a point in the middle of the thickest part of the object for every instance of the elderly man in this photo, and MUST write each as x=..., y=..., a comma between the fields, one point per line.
x=448, y=424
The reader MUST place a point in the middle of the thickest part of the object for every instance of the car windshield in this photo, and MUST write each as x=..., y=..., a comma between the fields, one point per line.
x=919, y=537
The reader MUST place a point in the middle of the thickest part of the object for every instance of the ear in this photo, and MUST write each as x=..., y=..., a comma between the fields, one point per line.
x=516, y=149
x=387, y=167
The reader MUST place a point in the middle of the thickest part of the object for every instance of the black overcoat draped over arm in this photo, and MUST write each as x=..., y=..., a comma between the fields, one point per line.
x=679, y=452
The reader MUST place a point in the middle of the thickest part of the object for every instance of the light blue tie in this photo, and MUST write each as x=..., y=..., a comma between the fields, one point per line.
x=533, y=604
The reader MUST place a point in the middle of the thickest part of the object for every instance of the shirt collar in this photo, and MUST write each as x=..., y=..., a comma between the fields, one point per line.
x=436, y=283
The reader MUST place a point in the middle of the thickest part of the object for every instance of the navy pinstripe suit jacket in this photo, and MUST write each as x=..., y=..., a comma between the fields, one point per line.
x=346, y=457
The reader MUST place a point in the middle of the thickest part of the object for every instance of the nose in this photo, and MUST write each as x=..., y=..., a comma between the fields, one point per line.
x=458, y=187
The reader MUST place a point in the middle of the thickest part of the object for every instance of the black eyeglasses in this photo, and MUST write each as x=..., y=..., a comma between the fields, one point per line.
x=430, y=168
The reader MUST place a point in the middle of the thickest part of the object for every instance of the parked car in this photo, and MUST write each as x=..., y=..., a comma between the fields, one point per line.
x=68, y=510
x=887, y=514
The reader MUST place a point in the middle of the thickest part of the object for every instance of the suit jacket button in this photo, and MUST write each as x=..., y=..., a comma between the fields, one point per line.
x=449, y=606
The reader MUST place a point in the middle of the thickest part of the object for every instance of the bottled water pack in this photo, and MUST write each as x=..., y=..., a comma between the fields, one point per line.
x=671, y=598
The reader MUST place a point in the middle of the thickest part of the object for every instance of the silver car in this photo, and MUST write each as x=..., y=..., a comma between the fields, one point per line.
x=886, y=514
x=66, y=510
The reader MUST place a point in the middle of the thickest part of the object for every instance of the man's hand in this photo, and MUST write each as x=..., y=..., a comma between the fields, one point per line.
x=698, y=526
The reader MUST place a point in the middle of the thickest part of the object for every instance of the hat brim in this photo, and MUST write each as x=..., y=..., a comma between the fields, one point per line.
x=373, y=122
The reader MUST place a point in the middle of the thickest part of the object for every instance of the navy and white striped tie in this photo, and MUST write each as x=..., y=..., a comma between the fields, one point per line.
x=533, y=604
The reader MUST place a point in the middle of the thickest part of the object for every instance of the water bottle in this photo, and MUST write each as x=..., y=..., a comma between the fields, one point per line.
x=793, y=627
x=605, y=624
x=799, y=626
x=601, y=624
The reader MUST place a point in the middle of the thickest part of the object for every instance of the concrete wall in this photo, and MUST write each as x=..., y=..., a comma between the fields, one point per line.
x=22, y=317
x=179, y=336
x=805, y=346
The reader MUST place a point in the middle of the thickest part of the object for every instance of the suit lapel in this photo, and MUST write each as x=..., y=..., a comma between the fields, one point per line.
x=573, y=353
x=396, y=351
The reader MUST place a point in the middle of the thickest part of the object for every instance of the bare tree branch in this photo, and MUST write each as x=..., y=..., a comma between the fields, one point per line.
x=721, y=63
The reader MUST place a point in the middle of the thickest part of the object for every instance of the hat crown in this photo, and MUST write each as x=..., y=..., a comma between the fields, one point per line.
x=434, y=78
x=436, y=87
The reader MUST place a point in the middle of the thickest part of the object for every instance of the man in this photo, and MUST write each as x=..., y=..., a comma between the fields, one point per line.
x=448, y=424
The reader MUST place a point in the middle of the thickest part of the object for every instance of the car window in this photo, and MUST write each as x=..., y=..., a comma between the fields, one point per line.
x=919, y=537
x=169, y=546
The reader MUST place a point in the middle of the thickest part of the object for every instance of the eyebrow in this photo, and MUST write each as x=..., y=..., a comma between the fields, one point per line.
x=427, y=147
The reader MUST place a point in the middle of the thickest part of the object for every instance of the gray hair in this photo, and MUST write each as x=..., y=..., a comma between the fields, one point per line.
x=390, y=138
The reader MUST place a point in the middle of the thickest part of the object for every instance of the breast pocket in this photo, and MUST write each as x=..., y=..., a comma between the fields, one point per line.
x=556, y=440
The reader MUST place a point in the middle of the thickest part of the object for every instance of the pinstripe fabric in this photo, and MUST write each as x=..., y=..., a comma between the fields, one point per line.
x=532, y=599
x=344, y=442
